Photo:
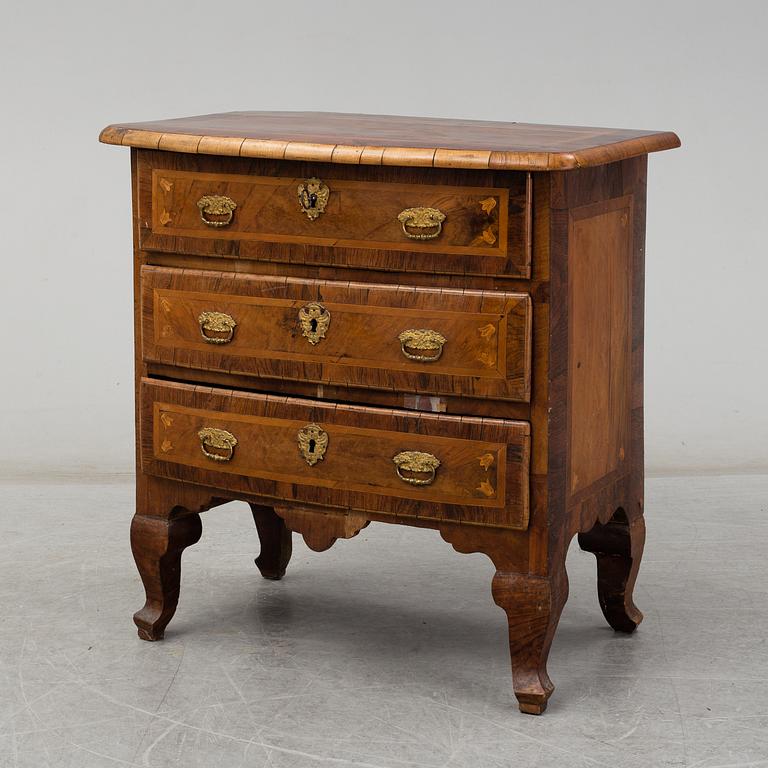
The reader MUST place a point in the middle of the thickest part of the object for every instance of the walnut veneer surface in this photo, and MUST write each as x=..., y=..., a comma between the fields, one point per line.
x=351, y=318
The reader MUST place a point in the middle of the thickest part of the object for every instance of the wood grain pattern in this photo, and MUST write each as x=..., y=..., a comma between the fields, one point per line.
x=330, y=393
x=599, y=264
x=577, y=191
x=483, y=477
x=322, y=528
x=533, y=605
x=390, y=140
x=330, y=273
x=353, y=233
x=358, y=214
x=487, y=352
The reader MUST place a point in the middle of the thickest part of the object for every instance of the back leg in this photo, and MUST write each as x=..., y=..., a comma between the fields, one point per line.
x=618, y=547
x=275, y=538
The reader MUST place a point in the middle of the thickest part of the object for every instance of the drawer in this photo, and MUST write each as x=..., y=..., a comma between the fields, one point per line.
x=324, y=219
x=415, y=340
x=390, y=462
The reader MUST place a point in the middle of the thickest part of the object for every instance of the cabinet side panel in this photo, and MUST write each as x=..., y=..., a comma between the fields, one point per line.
x=597, y=252
x=599, y=255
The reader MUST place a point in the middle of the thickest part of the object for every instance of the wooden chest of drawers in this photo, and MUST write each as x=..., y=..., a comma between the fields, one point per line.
x=344, y=318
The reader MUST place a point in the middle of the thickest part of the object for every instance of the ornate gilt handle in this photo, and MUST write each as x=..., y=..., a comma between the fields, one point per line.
x=221, y=207
x=422, y=223
x=418, y=463
x=217, y=444
x=428, y=341
x=217, y=323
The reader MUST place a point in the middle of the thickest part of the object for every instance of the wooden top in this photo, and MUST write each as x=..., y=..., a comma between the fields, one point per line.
x=385, y=140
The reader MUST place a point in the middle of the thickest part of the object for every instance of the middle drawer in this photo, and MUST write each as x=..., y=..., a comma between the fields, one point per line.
x=409, y=339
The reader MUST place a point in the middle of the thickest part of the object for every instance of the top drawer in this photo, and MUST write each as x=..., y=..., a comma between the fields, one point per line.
x=335, y=216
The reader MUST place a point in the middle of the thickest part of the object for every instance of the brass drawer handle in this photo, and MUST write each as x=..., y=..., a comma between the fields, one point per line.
x=313, y=197
x=217, y=444
x=217, y=322
x=314, y=319
x=418, y=463
x=424, y=339
x=313, y=441
x=421, y=223
x=216, y=205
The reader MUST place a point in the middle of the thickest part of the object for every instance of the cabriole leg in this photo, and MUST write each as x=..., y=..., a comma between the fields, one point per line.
x=533, y=605
x=618, y=547
x=157, y=544
x=276, y=545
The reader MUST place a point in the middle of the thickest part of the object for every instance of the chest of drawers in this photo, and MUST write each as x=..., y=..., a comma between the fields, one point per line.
x=344, y=318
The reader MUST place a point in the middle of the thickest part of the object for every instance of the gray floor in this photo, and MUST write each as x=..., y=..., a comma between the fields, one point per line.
x=384, y=652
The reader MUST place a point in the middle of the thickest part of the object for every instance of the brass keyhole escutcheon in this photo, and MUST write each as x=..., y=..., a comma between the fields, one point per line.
x=313, y=442
x=314, y=319
x=313, y=197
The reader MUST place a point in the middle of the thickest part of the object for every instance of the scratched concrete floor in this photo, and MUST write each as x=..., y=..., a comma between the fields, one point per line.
x=384, y=652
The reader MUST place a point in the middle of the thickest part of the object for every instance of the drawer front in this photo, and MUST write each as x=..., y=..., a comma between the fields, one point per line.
x=415, y=340
x=343, y=221
x=423, y=465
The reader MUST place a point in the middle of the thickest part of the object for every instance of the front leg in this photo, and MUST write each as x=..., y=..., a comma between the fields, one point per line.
x=157, y=544
x=533, y=605
x=276, y=544
x=618, y=547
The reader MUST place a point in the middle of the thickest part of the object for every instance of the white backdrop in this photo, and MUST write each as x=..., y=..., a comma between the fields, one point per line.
x=696, y=67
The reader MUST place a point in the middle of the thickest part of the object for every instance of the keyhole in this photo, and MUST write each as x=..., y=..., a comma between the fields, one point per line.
x=312, y=445
x=312, y=199
x=313, y=324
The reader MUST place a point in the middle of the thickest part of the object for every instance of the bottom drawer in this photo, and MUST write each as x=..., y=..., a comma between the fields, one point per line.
x=389, y=462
